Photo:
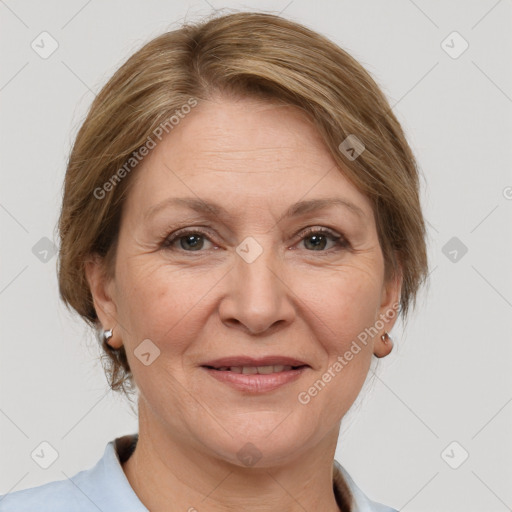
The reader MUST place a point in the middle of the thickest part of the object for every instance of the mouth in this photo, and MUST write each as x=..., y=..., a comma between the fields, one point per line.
x=252, y=365
x=253, y=370
x=256, y=375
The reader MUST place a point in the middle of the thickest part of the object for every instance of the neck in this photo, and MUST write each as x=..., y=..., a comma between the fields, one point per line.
x=163, y=470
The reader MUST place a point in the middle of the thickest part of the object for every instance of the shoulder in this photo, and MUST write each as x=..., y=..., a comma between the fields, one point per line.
x=102, y=487
x=58, y=496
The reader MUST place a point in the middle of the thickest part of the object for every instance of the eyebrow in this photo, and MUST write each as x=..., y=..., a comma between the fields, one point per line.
x=216, y=210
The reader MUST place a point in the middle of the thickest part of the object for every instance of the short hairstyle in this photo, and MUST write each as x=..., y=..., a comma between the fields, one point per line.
x=242, y=55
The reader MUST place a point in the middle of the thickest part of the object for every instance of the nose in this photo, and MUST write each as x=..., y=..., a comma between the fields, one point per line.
x=258, y=300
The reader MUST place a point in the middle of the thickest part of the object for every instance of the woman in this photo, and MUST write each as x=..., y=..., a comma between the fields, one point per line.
x=241, y=221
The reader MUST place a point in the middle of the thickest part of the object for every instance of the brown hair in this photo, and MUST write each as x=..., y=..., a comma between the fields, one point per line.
x=245, y=55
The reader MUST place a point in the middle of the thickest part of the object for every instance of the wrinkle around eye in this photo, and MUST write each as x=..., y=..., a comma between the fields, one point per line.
x=217, y=234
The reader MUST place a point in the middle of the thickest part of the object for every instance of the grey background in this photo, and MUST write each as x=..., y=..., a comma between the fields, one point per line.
x=449, y=377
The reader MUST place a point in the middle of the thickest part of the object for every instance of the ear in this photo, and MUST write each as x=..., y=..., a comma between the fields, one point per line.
x=390, y=301
x=102, y=288
x=387, y=314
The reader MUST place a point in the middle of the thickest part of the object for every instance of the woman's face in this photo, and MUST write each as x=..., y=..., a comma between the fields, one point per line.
x=237, y=268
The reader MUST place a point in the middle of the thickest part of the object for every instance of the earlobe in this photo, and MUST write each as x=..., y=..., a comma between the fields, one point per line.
x=388, y=314
x=384, y=346
x=101, y=287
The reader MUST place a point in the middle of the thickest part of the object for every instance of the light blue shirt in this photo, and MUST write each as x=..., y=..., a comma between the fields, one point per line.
x=105, y=488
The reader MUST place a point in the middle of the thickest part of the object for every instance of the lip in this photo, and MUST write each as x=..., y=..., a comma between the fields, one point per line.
x=253, y=361
x=255, y=383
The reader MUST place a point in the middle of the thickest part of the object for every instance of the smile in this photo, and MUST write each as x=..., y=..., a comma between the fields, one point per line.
x=253, y=370
x=256, y=379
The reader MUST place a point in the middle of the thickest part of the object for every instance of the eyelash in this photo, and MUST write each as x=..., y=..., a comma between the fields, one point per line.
x=340, y=241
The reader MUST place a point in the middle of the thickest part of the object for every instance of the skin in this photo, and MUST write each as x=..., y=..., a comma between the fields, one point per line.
x=255, y=159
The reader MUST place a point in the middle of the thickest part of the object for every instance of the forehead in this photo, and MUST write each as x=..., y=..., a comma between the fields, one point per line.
x=242, y=150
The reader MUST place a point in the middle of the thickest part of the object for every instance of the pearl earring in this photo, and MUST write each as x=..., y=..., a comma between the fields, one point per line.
x=107, y=335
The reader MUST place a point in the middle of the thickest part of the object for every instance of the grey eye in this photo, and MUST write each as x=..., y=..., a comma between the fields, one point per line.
x=194, y=242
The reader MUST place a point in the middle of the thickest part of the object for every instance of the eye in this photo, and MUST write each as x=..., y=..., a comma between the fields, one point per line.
x=316, y=239
x=189, y=240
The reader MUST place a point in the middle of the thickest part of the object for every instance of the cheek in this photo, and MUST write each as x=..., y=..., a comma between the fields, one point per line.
x=347, y=300
x=341, y=311
x=163, y=304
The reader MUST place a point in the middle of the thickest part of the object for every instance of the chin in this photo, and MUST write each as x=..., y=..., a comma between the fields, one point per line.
x=262, y=439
